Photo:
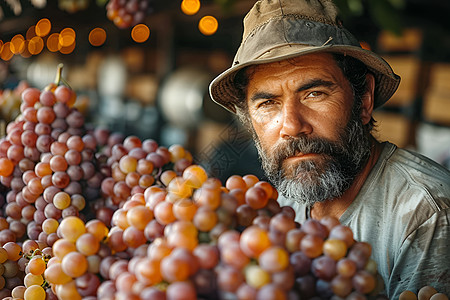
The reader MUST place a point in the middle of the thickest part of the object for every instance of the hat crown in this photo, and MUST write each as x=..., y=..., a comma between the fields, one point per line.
x=324, y=11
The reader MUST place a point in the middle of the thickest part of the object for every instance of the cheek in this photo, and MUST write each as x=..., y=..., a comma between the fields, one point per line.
x=329, y=123
x=267, y=130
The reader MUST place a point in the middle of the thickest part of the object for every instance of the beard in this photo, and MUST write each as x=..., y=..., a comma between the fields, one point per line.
x=323, y=178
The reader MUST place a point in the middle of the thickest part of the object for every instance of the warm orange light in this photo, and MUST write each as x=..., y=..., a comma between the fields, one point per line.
x=68, y=49
x=26, y=53
x=365, y=45
x=208, y=25
x=97, y=36
x=31, y=32
x=190, y=7
x=140, y=33
x=53, y=44
x=36, y=45
x=1, y=45
x=67, y=37
x=6, y=53
x=17, y=44
x=43, y=27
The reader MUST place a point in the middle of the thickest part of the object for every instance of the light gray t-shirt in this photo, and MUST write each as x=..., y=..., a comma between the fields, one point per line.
x=403, y=211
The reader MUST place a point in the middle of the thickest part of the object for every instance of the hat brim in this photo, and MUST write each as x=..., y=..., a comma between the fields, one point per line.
x=223, y=91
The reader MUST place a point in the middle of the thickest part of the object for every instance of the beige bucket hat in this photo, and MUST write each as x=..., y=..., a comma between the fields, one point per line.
x=275, y=30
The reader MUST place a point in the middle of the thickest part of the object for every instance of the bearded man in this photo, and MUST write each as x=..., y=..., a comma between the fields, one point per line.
x=306, y=90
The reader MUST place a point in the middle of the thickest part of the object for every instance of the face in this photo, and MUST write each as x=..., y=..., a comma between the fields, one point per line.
x=311, y=142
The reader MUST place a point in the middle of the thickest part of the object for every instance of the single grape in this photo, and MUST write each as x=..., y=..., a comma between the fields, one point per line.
x=74, y=264
x=274, y=259
x=256, y=277
x=426, y=292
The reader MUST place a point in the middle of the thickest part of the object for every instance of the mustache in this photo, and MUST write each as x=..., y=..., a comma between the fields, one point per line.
x=304, y=144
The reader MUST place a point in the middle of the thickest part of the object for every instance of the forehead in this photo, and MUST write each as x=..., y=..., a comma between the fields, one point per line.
x=322, y=63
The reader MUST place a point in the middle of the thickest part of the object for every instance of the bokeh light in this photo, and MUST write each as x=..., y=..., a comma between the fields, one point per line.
x=68, y=49
x=26, y=53
x=31, y=32
x=190, y=7
x=53, y=44
x=35, y=45
x=140, y=33
x=5, y=52
x=67, y=37
x=208, y=25
x=17, y=44
x=365, y=45
x=97, y=36
x=43, y=27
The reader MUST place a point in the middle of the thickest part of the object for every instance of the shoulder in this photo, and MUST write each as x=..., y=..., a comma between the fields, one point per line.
x=418, y=187
x=416, y=167
x=402, y=192
x=412, y=172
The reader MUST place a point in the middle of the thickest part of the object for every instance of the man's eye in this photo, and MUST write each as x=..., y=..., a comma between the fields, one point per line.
x=266, y=103
x=314, y=94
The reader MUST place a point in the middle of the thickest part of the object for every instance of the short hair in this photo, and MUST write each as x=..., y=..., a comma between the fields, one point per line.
x=353, y=69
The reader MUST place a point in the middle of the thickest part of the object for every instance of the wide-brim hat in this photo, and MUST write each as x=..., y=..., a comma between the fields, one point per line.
x=276, y=30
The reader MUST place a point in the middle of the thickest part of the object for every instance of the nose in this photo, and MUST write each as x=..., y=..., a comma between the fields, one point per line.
x=294, y=122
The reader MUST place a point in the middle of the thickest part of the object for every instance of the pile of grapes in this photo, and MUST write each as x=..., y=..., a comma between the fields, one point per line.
x=127, y=13
x=425, y=293
x=90, y=214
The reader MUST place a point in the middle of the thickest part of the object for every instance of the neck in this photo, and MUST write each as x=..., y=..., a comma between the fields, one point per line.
x=336, y=207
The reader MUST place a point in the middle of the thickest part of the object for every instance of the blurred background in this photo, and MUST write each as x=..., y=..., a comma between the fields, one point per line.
x=142, y=67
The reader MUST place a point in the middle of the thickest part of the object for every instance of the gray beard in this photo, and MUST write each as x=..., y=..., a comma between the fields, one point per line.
x=322, y=179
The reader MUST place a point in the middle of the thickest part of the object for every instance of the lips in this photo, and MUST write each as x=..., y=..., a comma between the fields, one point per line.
x=302, y=155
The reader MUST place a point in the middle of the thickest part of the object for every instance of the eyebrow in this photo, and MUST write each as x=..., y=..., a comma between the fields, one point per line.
x=316, y=83
x=306, y=86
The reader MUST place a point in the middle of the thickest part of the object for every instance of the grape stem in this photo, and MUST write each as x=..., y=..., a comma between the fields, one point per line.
x=59, y=79
x=35, y=252
x=158, y=175
x=45, y=284
x=2, y=128
x=59, y=74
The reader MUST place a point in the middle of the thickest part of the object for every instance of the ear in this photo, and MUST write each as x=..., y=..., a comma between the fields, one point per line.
x=368, y=99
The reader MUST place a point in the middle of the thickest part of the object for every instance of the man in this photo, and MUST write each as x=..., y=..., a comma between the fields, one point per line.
x=306, y=90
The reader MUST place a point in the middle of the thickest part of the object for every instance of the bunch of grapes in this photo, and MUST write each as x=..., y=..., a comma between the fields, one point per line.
x=211, y=241
x=127, y=13
x=72, y=271
x=47, y=161
x=10, y=275
x=22, y=266
x=187, y=236
x=131, y=166
x=425, y=293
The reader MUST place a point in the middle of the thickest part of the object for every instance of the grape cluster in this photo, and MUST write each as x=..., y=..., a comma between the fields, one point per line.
x=126, y=13
x=48, y=164
x=22, y=267
x=189, y=237
x=9, y=269
x=425, y=293
x=131, y=166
